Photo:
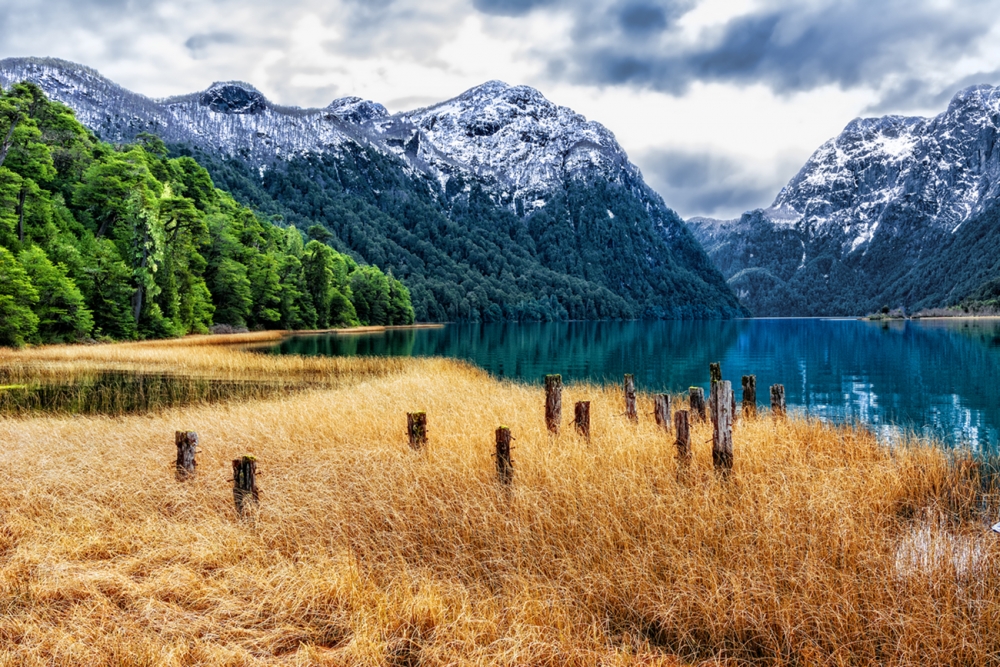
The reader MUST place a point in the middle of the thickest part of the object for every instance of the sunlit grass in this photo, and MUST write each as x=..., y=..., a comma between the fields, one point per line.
x=820, y=548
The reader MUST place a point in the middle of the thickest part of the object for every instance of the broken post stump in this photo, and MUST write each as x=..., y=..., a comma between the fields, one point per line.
x=683, y=442
x=661, y=410
x=630, y=410
x=778, y=400
x=505, y=466
x=416, y=428
x=553, y=402
x=245, y=483
x=696, y=396
x=187, y=447
x=581, y=418
x=722, y=422
x=715, y=372
x=749, y=396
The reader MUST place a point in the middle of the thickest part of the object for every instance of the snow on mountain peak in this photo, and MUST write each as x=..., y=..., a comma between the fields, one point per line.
x=233, y=97
x=356, y=109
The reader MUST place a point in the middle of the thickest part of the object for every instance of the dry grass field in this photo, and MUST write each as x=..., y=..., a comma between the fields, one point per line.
x=821, y=548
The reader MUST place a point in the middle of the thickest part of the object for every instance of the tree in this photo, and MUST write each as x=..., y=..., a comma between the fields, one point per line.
x=18, y=323
x=62, y=315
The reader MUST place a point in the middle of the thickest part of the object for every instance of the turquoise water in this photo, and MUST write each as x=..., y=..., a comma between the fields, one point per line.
x=936, y=378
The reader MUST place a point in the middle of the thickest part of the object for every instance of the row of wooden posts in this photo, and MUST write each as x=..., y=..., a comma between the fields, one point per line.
x=721, y=406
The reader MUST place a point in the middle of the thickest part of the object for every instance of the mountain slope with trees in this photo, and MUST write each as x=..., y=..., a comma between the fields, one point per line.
x=124, y=242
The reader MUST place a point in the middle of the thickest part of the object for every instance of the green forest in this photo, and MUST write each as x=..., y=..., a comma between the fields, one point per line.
x=102, y=242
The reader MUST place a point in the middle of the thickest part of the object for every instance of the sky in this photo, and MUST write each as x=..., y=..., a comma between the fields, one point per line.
x=719, y=102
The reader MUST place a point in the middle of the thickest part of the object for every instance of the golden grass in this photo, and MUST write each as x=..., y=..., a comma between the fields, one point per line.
x=364, y=552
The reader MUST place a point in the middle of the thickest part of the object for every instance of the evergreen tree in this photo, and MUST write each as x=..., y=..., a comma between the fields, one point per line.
x=18, y=322
x=62, y=315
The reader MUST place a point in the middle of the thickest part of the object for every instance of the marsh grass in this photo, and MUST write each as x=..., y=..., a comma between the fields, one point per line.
x=821, y=547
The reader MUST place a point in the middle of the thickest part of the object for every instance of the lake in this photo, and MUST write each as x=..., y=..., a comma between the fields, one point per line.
x=938, y=378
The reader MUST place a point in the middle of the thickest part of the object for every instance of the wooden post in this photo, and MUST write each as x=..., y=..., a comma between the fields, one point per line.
x=245, y=483
x=722, y=421
x=630, y=411
x=553, y=402
x=683, y=442
x=581, y=419
x=187, y=447
x=416, y=427
x=661, y=410
x=697, y=399
x=778, y=400
x=749, y=396
x=505, y=466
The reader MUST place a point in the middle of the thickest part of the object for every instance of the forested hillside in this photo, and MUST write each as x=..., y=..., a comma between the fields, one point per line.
x=465, y=258
x=124, y=242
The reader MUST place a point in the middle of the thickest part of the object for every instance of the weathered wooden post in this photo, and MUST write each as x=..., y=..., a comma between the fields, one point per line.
x=416, y=428
x=697, y=400
x=581, y=418
x=630, y=411
x=683, y=442
x=553, y=402
x=722, y=421
x=778, y=400
x=749, y=396
x=245, y=483
x=661, y=409
x=187, y=447
x=505, y=466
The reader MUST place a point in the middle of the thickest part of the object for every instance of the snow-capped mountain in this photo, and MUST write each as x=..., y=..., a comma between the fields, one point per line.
x=510, y=137
x=944, y=169
x=872, y=208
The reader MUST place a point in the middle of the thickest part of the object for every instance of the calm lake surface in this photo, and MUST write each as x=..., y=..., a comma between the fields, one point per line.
x=936, y=378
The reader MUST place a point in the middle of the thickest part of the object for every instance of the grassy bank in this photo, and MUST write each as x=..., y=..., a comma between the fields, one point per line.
x=821, y=548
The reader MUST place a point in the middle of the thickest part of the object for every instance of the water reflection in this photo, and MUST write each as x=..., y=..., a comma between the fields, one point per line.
x=936, y=378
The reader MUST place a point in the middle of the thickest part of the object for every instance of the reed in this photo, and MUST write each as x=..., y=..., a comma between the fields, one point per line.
x=820, y=547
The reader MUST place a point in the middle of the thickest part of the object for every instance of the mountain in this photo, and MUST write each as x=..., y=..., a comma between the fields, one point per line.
x=497, y=204
x=896, y=211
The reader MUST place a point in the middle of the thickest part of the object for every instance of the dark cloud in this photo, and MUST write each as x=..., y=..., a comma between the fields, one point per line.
x=708, y=184
x=198, y=45
x=789, y=46
x=510, y=7
x=642, y=18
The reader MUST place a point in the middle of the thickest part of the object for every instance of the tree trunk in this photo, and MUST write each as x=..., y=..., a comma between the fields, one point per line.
x=683, y=443
x=697, y=399
x=630, y=410
x=581, y=419
x=505, y=466
x=22, y=195
x=416, y=427
x=8, y=140
x=778, y=400
x=245, y=483
x=722, y=422
x=553, y=402
x=661, y=410
x=749, y=396
x=187, y=447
